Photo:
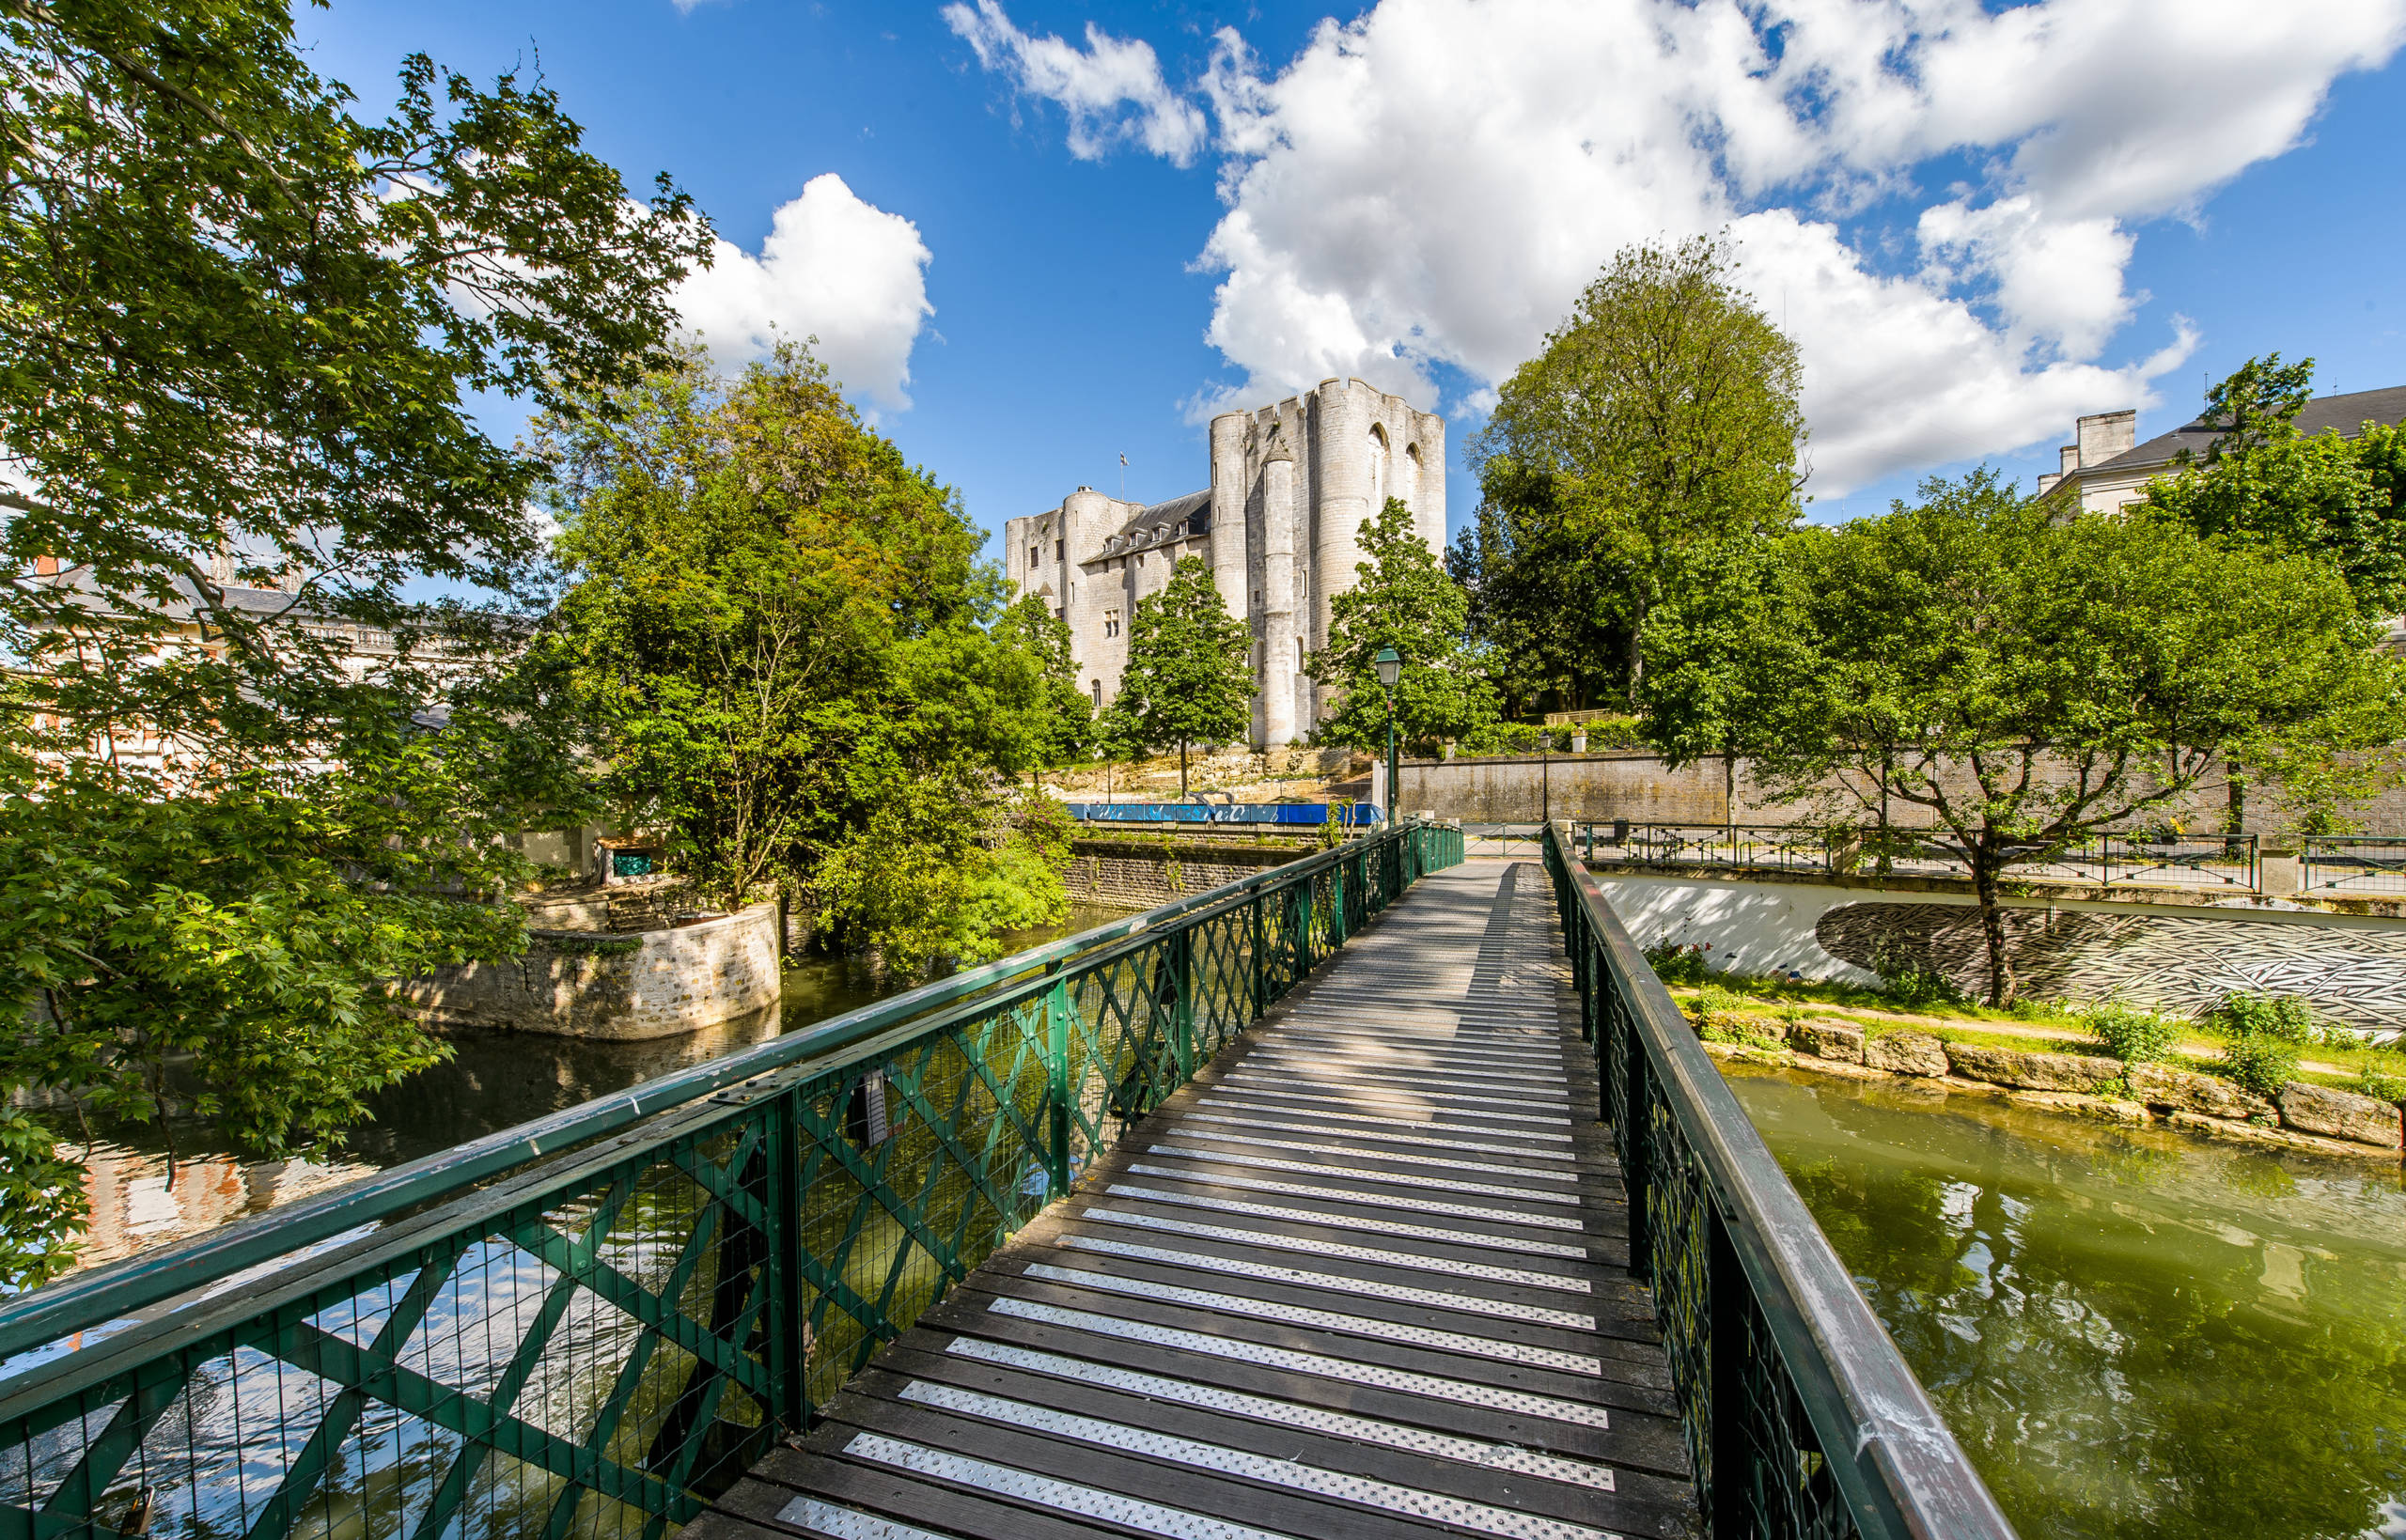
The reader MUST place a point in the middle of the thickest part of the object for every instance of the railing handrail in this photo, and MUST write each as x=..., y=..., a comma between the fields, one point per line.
x=86, y=1300
x=1895, y=1461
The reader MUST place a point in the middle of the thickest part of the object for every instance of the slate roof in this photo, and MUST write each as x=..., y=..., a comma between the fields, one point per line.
x=1174, y=512
x=2348, y=413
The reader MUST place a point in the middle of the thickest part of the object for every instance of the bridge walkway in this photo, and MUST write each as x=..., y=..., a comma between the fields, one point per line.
x=1366, y=1277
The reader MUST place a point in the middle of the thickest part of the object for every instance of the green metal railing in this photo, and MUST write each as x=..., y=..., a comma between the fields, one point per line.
x=1802, y=1418
x=589, y=1324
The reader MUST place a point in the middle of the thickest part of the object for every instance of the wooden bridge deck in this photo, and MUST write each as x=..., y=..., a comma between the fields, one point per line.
x=1366, y=1277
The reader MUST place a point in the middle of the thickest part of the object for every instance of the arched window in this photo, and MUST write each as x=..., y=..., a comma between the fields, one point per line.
x=1379, y=478
x=1411, y=492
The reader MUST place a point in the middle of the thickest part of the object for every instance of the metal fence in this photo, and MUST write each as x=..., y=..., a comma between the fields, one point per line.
x=589, y=1324
x=1801, y=1418
x=2210, y=861
x=2353, y=863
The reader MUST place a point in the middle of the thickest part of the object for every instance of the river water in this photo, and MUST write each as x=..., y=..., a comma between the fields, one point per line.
x=2133, y=1333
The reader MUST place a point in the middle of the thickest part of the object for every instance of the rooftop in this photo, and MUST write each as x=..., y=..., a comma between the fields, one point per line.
x=2346, y=414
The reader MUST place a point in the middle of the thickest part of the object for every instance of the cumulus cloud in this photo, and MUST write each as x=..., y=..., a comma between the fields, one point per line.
x=1112, y=89
x=833, y=267
x=1426, y=188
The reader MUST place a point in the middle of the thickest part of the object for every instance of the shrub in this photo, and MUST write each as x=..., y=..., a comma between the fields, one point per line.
x=1676, y=964
x=1909, y=980
x=2284, y=1018
x=2260, y=1064
x=2134, y=1037
x=2383, y=1081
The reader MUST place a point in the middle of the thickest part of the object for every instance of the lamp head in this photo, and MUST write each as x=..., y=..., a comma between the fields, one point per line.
x=1390, y=666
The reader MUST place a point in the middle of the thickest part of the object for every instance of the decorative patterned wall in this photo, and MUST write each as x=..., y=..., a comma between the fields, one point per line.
x=2171, y=962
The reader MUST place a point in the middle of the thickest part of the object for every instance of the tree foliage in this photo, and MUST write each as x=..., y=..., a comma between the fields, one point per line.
x=2027, y=684
x=242, y=327
x=2263, y=484
x=1402, y=599
x=778, y=627
x=1661, y=415
x=1065, y=725
x=1187, y=680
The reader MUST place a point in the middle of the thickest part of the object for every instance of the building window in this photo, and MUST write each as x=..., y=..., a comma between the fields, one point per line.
x=1034, y=554
x=1060, y=550
x=1110, y=622
x=1097, y=687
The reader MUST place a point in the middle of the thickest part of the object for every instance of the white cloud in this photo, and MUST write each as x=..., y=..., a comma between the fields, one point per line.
x=833, y=267
x=1113, y=89
x=1432, y=184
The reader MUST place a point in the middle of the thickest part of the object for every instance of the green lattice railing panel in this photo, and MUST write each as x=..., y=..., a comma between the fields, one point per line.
x=588, y=1326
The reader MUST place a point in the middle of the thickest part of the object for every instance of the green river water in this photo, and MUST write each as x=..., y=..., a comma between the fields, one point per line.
x=2134, y=1332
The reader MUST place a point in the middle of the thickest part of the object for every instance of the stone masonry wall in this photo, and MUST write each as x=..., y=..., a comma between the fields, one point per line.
x=651, y=984
x=1129, y=874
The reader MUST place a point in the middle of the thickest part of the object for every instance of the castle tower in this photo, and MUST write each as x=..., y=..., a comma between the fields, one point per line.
x=1291, y=485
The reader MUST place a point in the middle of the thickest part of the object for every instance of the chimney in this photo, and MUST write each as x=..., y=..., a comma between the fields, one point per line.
x=2068, y=459
x=2107, y=434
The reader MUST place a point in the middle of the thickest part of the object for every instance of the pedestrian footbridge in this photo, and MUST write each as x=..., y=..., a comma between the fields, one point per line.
x=1383, y=1195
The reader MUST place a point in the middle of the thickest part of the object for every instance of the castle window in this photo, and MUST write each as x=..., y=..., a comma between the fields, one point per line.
x=1034, y=554
x=1060, y=550
x=1378, y=469
x=1110, y=622
x=1097, y=686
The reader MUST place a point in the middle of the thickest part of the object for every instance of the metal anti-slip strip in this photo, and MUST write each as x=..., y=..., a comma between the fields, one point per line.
x=1355, y=1195
x=810, y=1513
x=1367, y=1048
x=1272, y=1241
x=1268, y=1469
x=1319, y=1365
x=1341, y=1071
x=1051, y=1491
x=1290, y=1414
x=1231, y=1099
x=1391, y=1179
x=1437, y=1109
x=1469, y=1304
x=1350, y=1221
x=1326, y=1320
x=1432, y=1034
x=1380, y=1090
x=1321, y=1036
x=1442, y=1162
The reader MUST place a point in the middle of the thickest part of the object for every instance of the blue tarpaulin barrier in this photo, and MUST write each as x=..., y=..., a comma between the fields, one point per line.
x=1360, y=815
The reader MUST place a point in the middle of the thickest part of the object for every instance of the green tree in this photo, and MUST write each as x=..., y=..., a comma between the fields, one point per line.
x=1064, y=714
x=2028, y=684
x=1188, y=681
x=1544, y=613
x=1661, y=415
x=1402, y=599
x=1729, y=673
x=242, y=328
x=779, y=630
x=2261, y=484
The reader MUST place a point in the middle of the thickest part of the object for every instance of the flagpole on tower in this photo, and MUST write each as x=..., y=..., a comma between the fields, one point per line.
x=1123, y=478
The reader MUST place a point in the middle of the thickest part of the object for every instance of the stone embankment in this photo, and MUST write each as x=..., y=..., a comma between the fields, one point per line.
x=1143, y=872
x=587, y=982
x=2304, y=1115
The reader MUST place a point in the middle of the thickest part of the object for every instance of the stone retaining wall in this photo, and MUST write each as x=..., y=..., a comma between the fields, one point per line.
x=2305, y=1111
x=623, y=988
x=1135, y=874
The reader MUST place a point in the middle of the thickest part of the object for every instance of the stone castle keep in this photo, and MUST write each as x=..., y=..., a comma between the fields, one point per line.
x=1291, y=485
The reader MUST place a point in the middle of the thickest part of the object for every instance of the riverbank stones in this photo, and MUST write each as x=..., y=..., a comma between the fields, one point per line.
x=2339, y=1114
x=1841, y=1041
x=2186, y=1090
x=1907, y=1053
x=2034, y=1072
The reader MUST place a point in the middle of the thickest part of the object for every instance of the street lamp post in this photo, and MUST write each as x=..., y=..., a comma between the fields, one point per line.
x=1389, y=664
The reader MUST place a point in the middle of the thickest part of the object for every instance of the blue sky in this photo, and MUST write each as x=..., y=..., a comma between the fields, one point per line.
x=1075, y=243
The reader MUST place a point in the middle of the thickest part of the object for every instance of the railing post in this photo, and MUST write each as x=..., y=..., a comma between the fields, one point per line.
x=1182, y=1015
x=1728, y=1437
x=1056, y=1065
x=788, y=1362
x=1630, y=1133
x=1261, y=987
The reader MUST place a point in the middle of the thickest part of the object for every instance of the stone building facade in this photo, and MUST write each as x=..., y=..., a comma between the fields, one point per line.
x=1291, y=485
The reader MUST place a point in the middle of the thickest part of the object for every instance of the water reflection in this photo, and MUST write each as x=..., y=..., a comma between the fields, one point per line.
x=2133, y=1333
x=492, y=1080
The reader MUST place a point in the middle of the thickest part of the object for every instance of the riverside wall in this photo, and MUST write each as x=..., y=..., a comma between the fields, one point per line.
x=1143, y=873
x=2177, y=952
x=614, y=986
x=1643, y=788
